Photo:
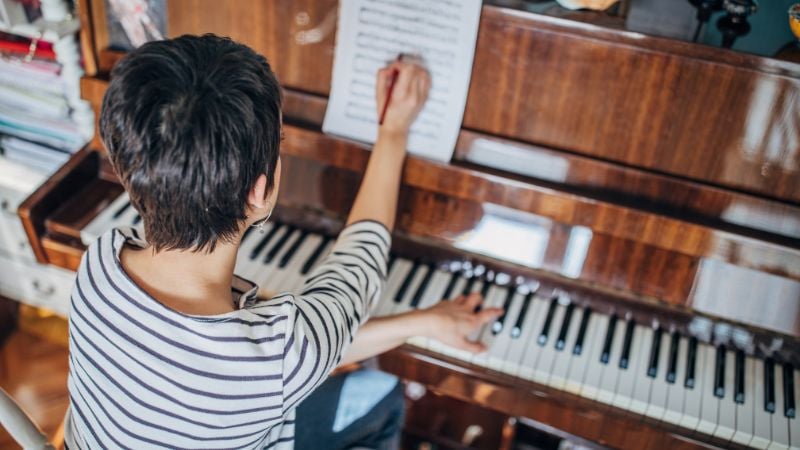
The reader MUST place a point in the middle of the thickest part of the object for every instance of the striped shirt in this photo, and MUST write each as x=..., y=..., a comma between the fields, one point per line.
x=143, y=375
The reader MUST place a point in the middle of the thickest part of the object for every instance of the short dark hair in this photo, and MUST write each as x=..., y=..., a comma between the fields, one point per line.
x=190, y=124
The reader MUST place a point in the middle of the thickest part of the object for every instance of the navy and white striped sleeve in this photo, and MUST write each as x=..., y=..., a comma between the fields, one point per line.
x=335, y=300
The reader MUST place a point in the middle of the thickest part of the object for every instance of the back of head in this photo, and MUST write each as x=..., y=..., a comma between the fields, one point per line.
x=190, y=124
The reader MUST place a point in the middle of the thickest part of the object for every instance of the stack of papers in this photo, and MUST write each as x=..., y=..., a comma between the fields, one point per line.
x=35, y=124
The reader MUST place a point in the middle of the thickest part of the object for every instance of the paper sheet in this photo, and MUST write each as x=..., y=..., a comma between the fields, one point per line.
x=371, y=34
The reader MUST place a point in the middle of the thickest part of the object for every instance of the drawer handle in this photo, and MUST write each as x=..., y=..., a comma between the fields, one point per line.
x=47, y=292
x=5, y=205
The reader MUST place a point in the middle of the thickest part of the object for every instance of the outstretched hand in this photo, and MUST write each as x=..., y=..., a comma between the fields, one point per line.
x=453, y=321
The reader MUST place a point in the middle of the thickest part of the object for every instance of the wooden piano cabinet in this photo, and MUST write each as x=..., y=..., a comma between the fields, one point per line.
x=452, y=424
x=663, y=105
x=564, y=411
x=653, y=152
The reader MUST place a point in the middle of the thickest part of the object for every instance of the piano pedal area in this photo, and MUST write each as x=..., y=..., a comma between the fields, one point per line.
x=700, y=379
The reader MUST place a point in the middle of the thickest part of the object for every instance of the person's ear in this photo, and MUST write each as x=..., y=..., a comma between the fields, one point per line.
x=257, y=198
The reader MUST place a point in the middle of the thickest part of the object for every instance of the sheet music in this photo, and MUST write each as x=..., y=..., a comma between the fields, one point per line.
x=371, y=34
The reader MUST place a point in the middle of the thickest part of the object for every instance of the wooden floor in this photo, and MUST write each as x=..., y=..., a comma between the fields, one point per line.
x=34, y=371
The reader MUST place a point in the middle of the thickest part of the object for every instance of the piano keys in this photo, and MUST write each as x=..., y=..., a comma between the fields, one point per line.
x=665, y=211
x=546, y=338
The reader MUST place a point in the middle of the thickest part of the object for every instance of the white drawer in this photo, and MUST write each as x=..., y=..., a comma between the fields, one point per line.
x=13, y=239
x=36, y=284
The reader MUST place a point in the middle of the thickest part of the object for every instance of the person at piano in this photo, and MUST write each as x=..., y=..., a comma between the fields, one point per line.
x=168, y=348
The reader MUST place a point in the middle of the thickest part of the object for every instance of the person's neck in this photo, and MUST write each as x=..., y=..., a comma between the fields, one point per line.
x=190, y=282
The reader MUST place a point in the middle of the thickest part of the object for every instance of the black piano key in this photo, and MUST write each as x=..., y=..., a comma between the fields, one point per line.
x=287, y=257
x=264, y=241
x=448, y=292
x=517, y=330
x=578, y=348
x=789, y=409
x=422, y=286
x=612, y=326
x=315, y=255
x=672, y=365
x=769, y=385
x=561, y=340
x=500, y=323
x=121, y=210
x=548, y=322
x=273, y=252
x=691, y=362
x=398, y=297
x=487, y=284
x=137, y=219
x=655, y=350
x=625, y=358
x=468, y=286
x=738, y=378
x=719, y=372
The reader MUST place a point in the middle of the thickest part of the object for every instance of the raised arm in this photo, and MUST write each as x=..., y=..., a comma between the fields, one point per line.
x=336, y=297
x=377, y=198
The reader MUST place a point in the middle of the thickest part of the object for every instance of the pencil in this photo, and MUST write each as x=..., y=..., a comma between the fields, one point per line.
x=391, y=88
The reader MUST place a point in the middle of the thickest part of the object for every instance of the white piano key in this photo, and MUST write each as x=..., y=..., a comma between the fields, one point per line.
x=251, y=265
x=396, y=276
x=780, y=424
x=709, y=410
x=726, y=419
x=127, y=219
x=322, y=255
x=430, y=297
x=594, y=368
x=547, y=352
x=280, y=277
x=611, y=370
x=693, y=400
x=453, y=352
x=405, y=303
x=677, y=391
x=295, y=266
x=565, y=357
x=744, y=411
x=499, y=351
x=433, y=293
x=475, y=335
x=762, y=420
x=578, y=366
x=242, y=261
x=641, y=391
x=628, y=377
x=263, y=277
x=658, y=390
x=519, y=345
x=530, y=359
x=495, y=297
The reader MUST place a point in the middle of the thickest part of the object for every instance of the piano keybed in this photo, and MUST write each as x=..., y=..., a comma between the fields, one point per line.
x=549, y=339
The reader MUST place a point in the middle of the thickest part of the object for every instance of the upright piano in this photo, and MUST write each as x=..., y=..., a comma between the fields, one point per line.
x=633, y=202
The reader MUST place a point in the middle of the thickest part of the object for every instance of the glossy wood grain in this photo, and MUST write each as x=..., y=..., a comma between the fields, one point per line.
x=567, y=412
x=707, y=114
x=650, y=177
x=668, y=106
x=34, y=373
x=466, y=183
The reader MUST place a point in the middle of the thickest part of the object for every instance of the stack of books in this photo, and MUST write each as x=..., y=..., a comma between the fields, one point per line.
x=36, y=128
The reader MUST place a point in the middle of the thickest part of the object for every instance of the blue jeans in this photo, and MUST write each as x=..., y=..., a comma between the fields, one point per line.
x=361, y=409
